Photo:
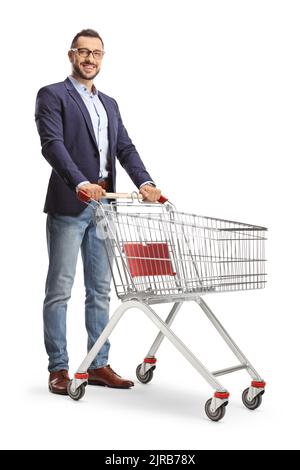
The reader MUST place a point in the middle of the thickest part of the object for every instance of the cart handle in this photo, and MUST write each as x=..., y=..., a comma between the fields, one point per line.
x=83, y=197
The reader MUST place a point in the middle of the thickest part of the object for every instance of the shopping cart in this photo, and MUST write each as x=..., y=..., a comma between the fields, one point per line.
x=160, y=255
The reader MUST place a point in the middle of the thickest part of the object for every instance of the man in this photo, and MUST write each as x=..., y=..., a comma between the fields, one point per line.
x=81, y=133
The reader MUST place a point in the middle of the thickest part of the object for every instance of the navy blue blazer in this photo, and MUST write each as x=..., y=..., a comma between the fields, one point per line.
x=69, y=145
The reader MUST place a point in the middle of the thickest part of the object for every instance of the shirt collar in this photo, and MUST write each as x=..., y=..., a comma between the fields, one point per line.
x=82, y=88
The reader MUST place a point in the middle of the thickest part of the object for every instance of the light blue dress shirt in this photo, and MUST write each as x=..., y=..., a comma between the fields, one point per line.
x=99, y=121
x=100, y=125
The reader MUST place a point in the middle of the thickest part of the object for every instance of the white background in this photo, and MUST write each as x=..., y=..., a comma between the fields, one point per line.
x=209, y=92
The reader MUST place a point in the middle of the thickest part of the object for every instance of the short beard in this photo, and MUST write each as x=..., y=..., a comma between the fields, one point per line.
x=80, y=74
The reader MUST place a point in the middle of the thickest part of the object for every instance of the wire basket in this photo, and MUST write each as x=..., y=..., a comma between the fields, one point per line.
x=162, y=253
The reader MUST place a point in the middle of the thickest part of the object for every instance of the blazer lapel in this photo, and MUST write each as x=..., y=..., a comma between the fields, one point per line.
x=76, y=96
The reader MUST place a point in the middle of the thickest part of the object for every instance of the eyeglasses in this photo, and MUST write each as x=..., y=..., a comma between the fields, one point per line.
x=83, y=52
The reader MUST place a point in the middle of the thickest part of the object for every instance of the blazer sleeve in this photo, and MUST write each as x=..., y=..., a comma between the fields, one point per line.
x=48, y=117
x=128, y=155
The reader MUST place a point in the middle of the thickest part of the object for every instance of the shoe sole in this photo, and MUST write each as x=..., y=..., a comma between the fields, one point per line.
x=58, y=393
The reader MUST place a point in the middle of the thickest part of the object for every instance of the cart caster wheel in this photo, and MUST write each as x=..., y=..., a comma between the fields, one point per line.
x=144, y=378
x=216, y=415
x=79, y=392
x=252, y=404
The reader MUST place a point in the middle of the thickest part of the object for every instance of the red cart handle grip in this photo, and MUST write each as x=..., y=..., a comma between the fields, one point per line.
x=163, y=199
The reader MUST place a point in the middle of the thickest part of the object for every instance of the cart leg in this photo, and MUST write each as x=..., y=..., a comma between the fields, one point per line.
x=150, y=360
x=251, y=396
x=214, y=407
x=81, y=376
x=179, y=345
x=245, y=364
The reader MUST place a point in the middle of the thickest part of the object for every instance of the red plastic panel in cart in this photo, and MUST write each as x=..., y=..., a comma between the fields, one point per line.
x=148, y=259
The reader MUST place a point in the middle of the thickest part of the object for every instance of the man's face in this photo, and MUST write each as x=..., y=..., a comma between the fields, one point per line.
x=86, y=68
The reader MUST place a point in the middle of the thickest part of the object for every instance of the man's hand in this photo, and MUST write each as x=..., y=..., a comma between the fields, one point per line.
x=94, y=191
x=150, y=193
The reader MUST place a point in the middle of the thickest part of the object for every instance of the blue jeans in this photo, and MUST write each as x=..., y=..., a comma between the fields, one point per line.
x=65, y=236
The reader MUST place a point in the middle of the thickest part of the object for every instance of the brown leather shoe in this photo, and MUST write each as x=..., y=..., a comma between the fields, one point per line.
x=107, y=377
x=58, y=382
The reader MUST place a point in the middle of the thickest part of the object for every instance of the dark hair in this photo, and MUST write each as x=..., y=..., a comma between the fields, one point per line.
x=89, y=33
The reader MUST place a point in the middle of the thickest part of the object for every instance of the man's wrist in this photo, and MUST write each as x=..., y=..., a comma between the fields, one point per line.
x=150, y=183
x=81, y=184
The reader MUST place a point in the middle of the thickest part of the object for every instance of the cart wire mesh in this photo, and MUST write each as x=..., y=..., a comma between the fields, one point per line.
x=171, y=253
